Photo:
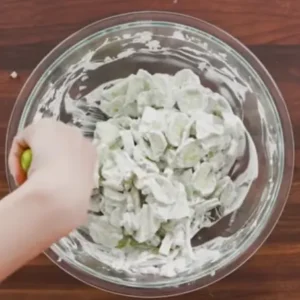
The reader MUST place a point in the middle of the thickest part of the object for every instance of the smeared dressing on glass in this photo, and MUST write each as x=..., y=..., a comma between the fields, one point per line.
x=74, y=99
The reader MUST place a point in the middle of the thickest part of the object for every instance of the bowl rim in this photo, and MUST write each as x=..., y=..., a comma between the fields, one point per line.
x=195, y=23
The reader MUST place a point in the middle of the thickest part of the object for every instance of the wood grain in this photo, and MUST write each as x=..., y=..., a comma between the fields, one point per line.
x=29, y=29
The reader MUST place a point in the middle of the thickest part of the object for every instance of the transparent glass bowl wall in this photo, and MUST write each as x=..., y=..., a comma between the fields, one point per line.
x=200, y=47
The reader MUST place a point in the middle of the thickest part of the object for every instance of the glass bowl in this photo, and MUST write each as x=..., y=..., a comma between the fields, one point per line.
x=166, y=42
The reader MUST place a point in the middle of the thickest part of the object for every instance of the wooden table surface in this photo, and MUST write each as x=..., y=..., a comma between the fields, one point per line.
x=29, y=29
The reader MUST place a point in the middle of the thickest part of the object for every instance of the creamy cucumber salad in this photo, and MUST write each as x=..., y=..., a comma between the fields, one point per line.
x=163, y=173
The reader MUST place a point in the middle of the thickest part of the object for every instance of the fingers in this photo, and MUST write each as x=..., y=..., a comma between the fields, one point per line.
x=20, y=143
x=48, y=140
x=14, y=160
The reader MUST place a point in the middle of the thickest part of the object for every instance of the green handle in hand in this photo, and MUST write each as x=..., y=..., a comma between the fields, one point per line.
x=26, y=159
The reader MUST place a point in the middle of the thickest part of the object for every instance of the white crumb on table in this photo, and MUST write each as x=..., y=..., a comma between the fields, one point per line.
x=14, y=75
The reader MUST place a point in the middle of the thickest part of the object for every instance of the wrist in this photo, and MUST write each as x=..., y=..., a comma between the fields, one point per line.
x=35, y=200
x=66, y=208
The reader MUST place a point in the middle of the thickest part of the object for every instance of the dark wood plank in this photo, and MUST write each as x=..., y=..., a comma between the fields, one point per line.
x=252, y=21
x=29, y=29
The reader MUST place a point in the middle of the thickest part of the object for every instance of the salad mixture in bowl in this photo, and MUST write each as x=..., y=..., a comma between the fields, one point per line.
x=167, y=156
x=195, y=150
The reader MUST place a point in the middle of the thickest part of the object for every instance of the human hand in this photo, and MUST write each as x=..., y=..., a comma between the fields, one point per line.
x=61, y=171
